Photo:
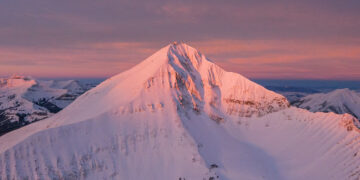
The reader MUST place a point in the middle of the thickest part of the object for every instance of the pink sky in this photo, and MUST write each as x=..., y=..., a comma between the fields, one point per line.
x=277, y=40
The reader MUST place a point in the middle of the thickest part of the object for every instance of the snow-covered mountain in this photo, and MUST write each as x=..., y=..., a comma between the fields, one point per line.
x=177, y=115
x=24, y=100
x=339, y=101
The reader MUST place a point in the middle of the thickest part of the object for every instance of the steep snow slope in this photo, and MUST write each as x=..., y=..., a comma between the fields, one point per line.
x=24, y=100
x=339, y=101
x=177, y=115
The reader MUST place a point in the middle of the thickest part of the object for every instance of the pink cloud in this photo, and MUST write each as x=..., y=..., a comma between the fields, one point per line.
x=285, y=59
x=252, y=58
x=92, y=60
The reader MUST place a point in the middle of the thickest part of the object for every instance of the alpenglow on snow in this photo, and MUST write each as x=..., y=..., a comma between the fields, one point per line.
x=177, y=115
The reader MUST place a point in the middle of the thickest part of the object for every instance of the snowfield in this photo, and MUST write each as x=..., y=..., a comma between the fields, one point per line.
x=177, y=115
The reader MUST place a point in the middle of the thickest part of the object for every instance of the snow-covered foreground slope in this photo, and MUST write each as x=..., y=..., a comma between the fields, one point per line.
x=24, y=100
x=177, y=115
x=339, y=101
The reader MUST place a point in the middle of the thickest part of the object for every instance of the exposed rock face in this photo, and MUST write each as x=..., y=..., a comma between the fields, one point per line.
x=200, y=85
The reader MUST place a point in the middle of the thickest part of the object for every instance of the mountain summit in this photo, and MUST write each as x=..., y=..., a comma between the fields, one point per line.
x=181, y=77
x=177, y=115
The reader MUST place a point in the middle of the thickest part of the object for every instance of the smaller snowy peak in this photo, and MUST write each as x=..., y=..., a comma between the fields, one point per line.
x=339, y=101
x=342, y=92
x=24, y=100
x=72, y=86
x=16, y=80
x=14, y=77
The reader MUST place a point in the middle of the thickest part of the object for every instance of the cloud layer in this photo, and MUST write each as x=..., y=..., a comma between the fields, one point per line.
x=314, y=39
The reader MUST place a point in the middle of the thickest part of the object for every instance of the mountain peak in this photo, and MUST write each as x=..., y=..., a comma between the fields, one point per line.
x=178, y=75
x=177, y=108
x=179, y=44
x=183, y=52
x=340, y=94
x=182, y=47
x=342, y=91
x=185, y=55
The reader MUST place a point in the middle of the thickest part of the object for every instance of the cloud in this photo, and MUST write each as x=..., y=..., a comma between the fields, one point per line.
x=285, y=59
x=183, y=12
x=78, y=60
x=85, y=35
x=252, y=58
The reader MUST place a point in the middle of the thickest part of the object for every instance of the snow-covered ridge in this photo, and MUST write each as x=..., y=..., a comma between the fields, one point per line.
x=339, y=101
x=177, y=115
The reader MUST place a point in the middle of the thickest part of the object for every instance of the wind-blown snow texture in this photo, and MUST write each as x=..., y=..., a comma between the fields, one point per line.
x=178, y=115
x=24, y=100
x=339, y=101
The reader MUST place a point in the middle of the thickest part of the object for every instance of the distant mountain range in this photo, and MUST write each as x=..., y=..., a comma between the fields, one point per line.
x=24, y=100
x=292, y=93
